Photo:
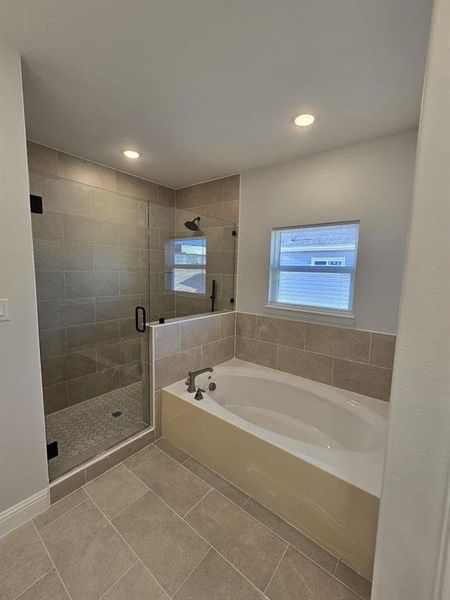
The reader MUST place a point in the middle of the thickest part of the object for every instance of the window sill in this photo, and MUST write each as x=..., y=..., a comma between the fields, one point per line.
x=320, y=315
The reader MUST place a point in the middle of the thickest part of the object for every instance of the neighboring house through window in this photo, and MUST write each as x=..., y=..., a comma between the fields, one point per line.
x=186, y=265
x=313, y=267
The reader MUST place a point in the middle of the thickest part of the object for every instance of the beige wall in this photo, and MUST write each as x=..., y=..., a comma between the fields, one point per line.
x=370, y=181
x=414, y=504
x=23, y=463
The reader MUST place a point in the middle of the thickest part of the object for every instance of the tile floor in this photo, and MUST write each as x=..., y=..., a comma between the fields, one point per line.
x=162, y=526
x=85, y=429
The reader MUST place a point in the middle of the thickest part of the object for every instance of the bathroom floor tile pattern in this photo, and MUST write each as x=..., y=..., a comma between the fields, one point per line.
x=85, y=429
x=162, y=526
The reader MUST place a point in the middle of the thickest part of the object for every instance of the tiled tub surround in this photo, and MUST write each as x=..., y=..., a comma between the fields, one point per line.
x=188, y=345
x=217, y=204
x=161, y=525
x=351, y=359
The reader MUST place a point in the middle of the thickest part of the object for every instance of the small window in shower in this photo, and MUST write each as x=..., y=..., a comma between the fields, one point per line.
x=186, y=265
x=313, y=267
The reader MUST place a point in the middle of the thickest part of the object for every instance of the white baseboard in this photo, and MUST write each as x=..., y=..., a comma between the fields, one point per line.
x=24, y=511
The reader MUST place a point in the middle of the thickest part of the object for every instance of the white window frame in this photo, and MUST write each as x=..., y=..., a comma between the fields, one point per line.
x=274, y=273
x=171, y=266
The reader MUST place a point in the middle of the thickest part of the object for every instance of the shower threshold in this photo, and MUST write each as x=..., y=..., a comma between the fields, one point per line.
x=90, y=427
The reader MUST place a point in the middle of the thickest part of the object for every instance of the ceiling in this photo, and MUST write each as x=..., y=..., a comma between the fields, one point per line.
x=207, y=88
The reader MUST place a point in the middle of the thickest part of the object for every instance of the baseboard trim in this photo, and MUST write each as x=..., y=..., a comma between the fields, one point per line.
x=24, y=511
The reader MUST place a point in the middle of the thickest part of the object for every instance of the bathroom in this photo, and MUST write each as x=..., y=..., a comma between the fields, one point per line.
x=224, y=300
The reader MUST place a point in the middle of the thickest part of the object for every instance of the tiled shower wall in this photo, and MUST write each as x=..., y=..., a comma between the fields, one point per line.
x=217, y=204
x=91, y=247
x=352, y=359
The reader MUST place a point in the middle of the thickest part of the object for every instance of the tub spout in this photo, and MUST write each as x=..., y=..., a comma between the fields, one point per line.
x=190, y=381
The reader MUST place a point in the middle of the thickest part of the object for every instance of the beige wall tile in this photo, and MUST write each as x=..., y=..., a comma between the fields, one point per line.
x=382, y=350
x=162, y=217
x=306, y=364
x=245, y=348
x=42, y=159
x=65, y=313
x=280, y=331
x=62, y=256
x=352, y=344
x=167, y=340
x=55, y=397
x=182, y=198
x=77, y=169
x=81, y=336
x=108, y=258
x=227, y=325
x=175, y=367
x=199, y=331
x=245, y=325
x=48, y=226
x=364, y=379
x=206, y=193
x=166, y=196
x=49, y=285
x=84, y=230
x=266, y=354
x=132, y=236
x=231, y=187
x=226, y=211
x=217, y=352
x=68, y=366
x=53, y=342
x=136, y=187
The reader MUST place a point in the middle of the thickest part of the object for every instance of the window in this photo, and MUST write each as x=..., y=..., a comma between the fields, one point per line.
x=186, y=263
x=313, y=267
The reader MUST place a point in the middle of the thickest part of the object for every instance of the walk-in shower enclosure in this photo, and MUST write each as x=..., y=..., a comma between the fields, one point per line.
x=104, y=243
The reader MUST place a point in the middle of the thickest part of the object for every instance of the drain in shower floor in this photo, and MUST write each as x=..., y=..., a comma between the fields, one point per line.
x=116, y=413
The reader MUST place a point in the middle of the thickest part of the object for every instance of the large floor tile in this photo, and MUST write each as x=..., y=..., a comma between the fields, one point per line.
x=136, y=584
x=216, y=481
x=247, y=544
x=295, y=538
x=115, y=490
x=23, y=560
x=89, y=555
x=167, y=546
x=297, y=577
x=215, y=579
x=47, y=588
x=172, y=482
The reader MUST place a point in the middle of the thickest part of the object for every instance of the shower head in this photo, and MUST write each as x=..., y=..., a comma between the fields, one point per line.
x=192, y=225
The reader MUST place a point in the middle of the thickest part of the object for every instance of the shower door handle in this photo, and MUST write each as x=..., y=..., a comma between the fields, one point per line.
x=140, y=323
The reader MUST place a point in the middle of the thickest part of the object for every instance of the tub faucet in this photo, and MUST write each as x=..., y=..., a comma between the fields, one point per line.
x=190, y=381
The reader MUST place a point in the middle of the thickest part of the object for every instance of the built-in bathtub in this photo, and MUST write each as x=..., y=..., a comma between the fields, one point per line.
x=310, y=452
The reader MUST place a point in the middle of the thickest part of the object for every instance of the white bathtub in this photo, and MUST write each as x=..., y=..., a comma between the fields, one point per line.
x=342, y=433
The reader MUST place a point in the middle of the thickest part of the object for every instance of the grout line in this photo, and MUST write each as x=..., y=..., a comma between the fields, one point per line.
x=268, y=529
x=276, y=568
x=52, y=568
x=197, y=503
x=127, y=544
x=120, y=579
x=210, y=549
x=53, y=563
x=64, y=513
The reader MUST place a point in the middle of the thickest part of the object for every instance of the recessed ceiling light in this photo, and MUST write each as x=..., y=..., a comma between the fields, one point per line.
x=131, y=154
x=304, y=120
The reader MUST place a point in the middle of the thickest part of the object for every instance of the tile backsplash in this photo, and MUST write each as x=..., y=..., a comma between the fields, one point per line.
x=352, y=359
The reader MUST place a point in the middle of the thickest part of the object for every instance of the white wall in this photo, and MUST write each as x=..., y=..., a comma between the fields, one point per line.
x=418, y=458
x=371, y=181
x=23, y=467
